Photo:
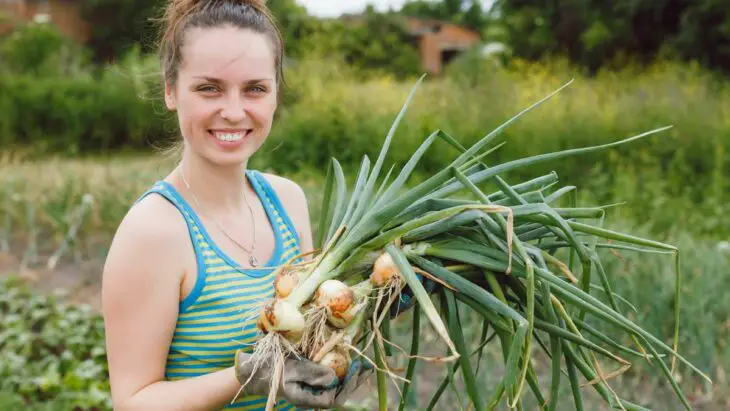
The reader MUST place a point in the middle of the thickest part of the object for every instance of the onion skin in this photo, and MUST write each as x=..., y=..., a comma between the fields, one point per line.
x=343, y=319
x=338, y=299
x=286, y=281
x=282, y=317
x=338, y=362
x=384, y=269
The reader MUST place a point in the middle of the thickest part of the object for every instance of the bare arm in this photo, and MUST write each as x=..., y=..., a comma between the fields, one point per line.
x=140, y=297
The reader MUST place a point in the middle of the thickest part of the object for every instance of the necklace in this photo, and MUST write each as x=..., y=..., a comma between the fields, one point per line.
x=251, y=259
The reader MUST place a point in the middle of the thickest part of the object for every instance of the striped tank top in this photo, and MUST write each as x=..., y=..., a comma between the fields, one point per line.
x=219, y=316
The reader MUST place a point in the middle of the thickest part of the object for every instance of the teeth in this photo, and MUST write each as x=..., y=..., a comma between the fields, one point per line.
x=229, y=136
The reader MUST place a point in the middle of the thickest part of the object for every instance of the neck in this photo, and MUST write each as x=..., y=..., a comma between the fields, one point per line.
x=219, y=189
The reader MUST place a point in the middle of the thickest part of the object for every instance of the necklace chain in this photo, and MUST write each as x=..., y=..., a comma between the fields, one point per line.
x=251, y=259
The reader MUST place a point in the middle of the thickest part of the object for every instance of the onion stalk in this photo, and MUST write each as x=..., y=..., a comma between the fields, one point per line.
x=376, y=235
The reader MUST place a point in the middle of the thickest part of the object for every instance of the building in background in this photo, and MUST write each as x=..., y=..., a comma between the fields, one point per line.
x=64, y=14
x=439, y=42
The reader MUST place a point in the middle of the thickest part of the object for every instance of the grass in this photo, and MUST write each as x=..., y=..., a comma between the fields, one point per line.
x=329, y=110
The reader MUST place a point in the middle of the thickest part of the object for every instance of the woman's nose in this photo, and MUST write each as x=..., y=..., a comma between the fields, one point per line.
x=234, y=109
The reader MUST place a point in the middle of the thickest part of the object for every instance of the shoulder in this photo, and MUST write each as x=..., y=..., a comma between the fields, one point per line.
x=294, y=200
x=286, y=189
x=152, y=220
x=147, y=240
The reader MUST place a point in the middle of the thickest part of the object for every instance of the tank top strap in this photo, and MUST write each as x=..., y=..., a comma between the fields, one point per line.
x=277, y=213
x=166, y=191
x=195, y=231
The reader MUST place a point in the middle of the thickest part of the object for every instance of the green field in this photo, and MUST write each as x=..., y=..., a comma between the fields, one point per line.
x=671, y=187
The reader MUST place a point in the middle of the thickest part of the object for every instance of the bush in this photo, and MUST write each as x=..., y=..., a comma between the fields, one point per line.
x=50, y=352
x=331, y=109
x=39, y=49
x=116, y=108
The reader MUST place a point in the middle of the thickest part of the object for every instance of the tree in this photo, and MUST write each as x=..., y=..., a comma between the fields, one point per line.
x=117, y=25
x=468, y=13
x=596, y=32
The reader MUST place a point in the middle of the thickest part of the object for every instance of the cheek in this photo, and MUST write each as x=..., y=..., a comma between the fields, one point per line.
x=264, y=111
x=193, y=112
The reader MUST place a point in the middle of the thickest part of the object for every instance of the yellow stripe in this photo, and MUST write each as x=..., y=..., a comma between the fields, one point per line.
x=211, y=261
x=290, y=242
x=237, y=275
x=179, y=366
x=214, y=328
x=181, y=346
x=261, y=291
x=288, y=253
x=236, y=333
x=183, y=322
x=245, y=300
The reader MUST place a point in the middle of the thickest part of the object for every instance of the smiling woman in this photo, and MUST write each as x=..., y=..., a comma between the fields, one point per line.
x=194, y=256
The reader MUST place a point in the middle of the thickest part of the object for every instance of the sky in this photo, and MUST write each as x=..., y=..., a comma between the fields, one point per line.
x=334, y=8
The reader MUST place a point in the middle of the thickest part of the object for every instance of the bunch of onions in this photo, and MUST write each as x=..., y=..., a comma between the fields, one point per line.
x=497, y=255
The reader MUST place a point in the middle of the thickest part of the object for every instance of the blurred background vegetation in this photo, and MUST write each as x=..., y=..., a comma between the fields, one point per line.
x=81, y=122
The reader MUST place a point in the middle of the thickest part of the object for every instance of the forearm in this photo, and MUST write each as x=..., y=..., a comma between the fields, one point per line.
x=203, y=393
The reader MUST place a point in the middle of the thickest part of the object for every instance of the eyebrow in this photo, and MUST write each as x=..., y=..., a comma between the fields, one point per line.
x=216, y=80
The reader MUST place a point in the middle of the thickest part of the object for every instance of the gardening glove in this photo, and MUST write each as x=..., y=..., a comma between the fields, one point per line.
x=357, y=374
x=406, y=300
x=304, y=383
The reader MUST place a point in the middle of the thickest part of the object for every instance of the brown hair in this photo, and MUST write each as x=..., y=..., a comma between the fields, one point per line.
x=181, y=15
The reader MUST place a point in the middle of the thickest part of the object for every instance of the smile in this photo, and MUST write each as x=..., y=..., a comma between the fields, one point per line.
x=230, y=136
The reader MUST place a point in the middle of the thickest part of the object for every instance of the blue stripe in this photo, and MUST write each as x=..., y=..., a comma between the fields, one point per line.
x=238, y=291
x=250, y=304
x=212, y=332
x=178, y=367
x=179, y=347
x=213, y=279
x=180, y=337
x=247, y=311
x=187, y=357
x=211, y=324
x=274, y=198
x=183, y=374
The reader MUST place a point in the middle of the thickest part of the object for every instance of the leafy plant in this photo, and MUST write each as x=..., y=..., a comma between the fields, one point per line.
x=50, y=352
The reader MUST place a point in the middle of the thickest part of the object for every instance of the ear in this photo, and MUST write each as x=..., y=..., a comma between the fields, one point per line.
x=170, y=100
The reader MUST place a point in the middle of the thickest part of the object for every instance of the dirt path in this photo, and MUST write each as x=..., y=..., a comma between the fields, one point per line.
x=74, y=281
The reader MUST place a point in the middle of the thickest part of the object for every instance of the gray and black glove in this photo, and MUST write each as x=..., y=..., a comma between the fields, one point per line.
x=304, y=383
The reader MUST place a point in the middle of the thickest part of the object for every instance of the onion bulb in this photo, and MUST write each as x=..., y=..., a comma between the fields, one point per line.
x=282, y=317
x=338, y=361
x=338, y=300
x=384, y=271
x=287, y=280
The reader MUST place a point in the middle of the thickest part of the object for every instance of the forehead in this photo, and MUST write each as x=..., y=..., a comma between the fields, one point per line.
x=229, y=53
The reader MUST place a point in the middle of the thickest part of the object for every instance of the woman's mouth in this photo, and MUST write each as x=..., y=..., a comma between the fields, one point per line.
x=230, y=136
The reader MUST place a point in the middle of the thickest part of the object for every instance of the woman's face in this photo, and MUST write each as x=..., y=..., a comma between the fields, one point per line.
x=225, y=93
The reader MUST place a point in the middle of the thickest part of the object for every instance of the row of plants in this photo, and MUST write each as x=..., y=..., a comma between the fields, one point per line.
x=52, y=354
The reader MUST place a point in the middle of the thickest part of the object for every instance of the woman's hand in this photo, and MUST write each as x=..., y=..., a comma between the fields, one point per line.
x=304, y=383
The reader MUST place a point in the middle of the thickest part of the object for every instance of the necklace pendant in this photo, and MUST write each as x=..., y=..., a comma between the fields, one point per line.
x=253, y=261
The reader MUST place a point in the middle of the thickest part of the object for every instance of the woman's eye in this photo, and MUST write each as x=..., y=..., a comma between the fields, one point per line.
x=257, y=89
x=208, y=88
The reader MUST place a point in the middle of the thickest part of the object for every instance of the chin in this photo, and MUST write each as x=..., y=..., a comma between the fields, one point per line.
x=228, y=159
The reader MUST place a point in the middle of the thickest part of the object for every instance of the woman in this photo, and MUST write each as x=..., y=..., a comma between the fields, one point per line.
x=192, y=258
